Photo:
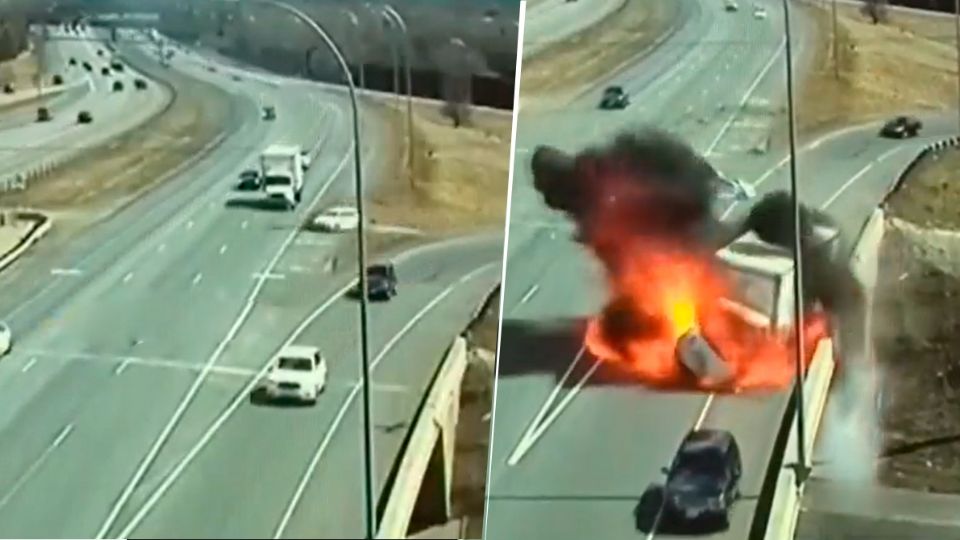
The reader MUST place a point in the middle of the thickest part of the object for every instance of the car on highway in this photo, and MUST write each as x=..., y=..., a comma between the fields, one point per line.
x=87, y=66
x=250, y=180
x=297, y=373
x=105, y=71
x=759, y=12
x=305, y=159
x=84, y=117
x=901, y=127
x=6, y=338
x=337, y=219
x=99, y=52
x=117, y=86
x=269, y=113
x=57, y=80
x=9, y=88
x=73, y=61
x=43, y=114
x=140, y=84
x=704, y=479
x=235, y=78
x=381, y=281
x=614, y=97
x=731, y=5
x=116, y=66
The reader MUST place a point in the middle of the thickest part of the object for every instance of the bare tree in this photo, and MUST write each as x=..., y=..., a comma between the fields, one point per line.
x=876, y=10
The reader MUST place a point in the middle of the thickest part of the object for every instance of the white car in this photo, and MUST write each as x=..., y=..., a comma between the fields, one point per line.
x=298, y=372
x=6, y=339
x=305, y=160
x=337, y=219
x=759, y=12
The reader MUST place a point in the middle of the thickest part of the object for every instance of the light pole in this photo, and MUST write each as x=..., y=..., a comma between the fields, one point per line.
x=836, y=43
x=370, y=491
x=391, y=14
x=802, y=470
x=357, y=38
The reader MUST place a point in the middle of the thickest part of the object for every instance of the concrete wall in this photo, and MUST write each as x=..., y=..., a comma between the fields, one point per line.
x=428, y=459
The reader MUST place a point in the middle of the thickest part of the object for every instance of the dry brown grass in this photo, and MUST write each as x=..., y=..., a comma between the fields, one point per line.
x=933, y=194
x=884, y=69
x=135, y=161
x=560, y=70
x=460, y=174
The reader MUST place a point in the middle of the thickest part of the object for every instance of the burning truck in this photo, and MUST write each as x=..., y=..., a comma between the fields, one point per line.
x=695, y=301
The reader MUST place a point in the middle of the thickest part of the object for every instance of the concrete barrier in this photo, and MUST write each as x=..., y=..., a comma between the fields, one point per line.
x=40, y=229
x=436, y=422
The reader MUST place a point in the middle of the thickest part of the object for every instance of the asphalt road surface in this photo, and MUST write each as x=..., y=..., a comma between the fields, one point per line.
x=114, y=331
x=573, y=452
x=551, y=21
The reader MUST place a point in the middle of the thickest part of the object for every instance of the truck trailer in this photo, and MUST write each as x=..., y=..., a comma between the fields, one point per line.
x=281, y=167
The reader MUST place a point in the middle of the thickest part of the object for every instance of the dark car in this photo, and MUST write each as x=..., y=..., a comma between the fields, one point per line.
x=84, y=117
x=73, y=61
x=704, y=479
x=87, y=66
x=381, y=281
x=614, y=97
x=902, y=127
x=99, y=52
x=117, y=66
x=43, y=114
x=9, y=88
x=140, y=84
x=269, y=113
x=249, y=180
x=57, y=80
x=117, y=86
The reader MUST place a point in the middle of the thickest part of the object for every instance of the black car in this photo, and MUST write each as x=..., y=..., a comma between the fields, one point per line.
x=43, y=114
x=99, y=52
x=614, y=97
x=249, y=180
x=381, y=281
x=704, y=479
x=269, y=113
x=87, y=66
x=140, y=84
x=117, y=66
x=901, y=127
x=117, y=86
x=8, y=88
x=84, y=117
x=57, y=80
x=105, y=71
x=73, y=61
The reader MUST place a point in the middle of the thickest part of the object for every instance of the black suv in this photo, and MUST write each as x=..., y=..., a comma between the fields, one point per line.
x=704, y=479
x=269, y=113
x=249, y=180
x=57, y=80
x=84, y=117
x=8, y=88
x=73, y=61
x=105, y=71
x=901, y=127
x=140, y=84
x=87, y=66
x=43, y=114
x=381, y=281
x=614, y=97
x=117, y=86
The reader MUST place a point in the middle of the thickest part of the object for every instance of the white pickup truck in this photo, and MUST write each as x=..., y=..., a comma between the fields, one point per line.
x=281, y=168
x=297, y=372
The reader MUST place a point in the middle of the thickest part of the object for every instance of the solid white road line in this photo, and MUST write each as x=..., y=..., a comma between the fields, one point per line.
x=62, y=436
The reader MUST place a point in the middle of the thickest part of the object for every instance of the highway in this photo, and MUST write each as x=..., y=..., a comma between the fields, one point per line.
x=123, y=403
x=574, y=451
x=552, y=21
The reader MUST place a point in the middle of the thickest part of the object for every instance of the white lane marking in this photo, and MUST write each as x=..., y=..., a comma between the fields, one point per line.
x=29, y=364
x=269, y=275
x=529, y=294
x=66, y=272
x=32, y=469
x=223, y=249
x=244, y=224
x=533, y=431
x=190, y=224
x=121, y=367
x=743, y=100
x=702, y=417
x=221, y=347
x=855, y=177
x=128, y=277
x=197, y=278
x=308, y=473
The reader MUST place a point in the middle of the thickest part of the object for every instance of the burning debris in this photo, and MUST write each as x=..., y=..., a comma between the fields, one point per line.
x=644, y=205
